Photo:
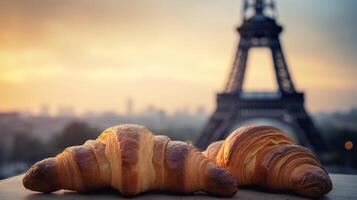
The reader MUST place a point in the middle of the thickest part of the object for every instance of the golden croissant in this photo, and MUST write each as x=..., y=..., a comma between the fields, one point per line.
x=264, y=156
x=130, y=159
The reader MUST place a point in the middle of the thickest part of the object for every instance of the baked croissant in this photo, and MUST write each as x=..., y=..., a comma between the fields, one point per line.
x=264, y=156
x=130, y=159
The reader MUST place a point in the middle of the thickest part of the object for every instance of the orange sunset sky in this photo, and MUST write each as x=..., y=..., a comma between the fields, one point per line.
x=94, y=55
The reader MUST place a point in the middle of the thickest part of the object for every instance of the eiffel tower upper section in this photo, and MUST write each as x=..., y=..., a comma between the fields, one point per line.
x=259, y=29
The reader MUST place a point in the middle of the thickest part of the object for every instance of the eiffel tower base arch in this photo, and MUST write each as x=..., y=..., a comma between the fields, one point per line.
x=287, y=109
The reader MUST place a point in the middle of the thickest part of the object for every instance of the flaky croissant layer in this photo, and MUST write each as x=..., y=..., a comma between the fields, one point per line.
x=266, y=157
x=130, y=159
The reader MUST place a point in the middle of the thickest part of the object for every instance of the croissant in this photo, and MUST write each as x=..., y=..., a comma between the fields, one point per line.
x=132, y=160
x=264, y=156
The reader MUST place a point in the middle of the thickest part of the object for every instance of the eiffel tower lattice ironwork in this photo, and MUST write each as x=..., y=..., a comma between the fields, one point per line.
x=259, y=29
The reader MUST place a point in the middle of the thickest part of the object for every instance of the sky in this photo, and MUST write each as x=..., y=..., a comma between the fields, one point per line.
x=172, y=54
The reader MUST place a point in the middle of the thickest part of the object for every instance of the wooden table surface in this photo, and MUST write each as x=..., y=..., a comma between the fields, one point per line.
x=345, y=187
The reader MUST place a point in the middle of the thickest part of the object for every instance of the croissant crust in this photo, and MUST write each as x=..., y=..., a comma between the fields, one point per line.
x=132, y=160
x=265, y=156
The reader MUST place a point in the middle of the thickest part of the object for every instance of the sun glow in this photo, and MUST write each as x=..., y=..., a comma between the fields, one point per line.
x=173, y=54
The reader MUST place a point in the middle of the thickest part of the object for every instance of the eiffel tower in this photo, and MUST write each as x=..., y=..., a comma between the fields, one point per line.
x=286, y=105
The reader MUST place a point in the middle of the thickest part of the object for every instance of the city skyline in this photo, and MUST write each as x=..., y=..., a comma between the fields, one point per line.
x=126, y=110
x=173, y=54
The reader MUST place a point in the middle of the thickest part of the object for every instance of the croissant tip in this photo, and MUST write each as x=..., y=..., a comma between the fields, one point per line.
x=42, y=176
x=220, y=182
x=315, y=183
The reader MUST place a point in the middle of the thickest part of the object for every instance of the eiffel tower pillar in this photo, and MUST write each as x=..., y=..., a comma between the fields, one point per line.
x=235, y=105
